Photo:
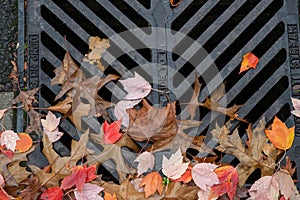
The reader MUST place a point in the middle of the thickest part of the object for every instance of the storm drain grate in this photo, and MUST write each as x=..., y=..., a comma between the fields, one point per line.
x=207, y=37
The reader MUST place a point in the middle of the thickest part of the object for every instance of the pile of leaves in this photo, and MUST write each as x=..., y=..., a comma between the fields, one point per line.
x=135, y=121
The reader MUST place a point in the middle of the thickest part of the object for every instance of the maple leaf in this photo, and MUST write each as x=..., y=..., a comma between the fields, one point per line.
x=120, y=110
x=152, y=182
x=151, y=123
x=79, y=176
x=259, y=154
x=89, y=192
x=97, y=47
x=26, y=98
x=203, y=175
x=285, y=184
x=57, y=168
x=51, y=122
x=264, y=188
x=296, y=105
x=25, y=142
x=193, y=104
x=111, y=132
x=186, y=177
x=53, y=193
x=108, y=196
x=7, y=152
x=146, y=161
x=9, y=139
x=281, y=136
x=228, y=177
x=3, y=195
x=288, y=166
x=137, y=87
x=34, y=121
x=249, y=61
x=173, y=167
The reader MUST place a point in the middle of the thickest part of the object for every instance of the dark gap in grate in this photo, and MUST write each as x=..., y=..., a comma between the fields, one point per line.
x=248, y=33
x=201, y=27
x=47, y=94
x=272, y=95
x=285, y=112
x=258, y=80
x=253, y=177
x=52, y=45
x=64, y=30
x=47, y=67
x=145, y=3
x=127, y=10
x=106, y=174
x=63, y=149
x=187, y=14
x=229, y=25
x=79, y=18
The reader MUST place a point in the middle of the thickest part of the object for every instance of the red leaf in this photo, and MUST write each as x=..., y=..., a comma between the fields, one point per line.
x=53, y=193
x=9, y=153
x=79, y=176
x=228, y=177
x=186, y=177
x=249, y=61
x=111, y=132
x=3, y=195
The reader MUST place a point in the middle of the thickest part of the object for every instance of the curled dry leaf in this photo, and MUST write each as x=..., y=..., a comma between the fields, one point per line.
x=26, y=98
x=173, y=167
x=2, y=111
x=286, y=184
x=120, y=110
x=50, y=127
x=249, y=61
x=281, y=136
x=25, y=142
x=89, y=192
x=145, y=162
x=152, y=182
x=203, y=175
x=264, y=188
x=296, y=105
x=9, y=139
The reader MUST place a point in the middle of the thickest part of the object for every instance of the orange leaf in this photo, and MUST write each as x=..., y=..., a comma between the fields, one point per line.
x=3, y=195
x=175, y=3
x=281, y=136
x=25, y=142
x=111, y=132
x=228, y=177
x=152, y=182
x=108, y=196
x=186, y=177
x=249, y=61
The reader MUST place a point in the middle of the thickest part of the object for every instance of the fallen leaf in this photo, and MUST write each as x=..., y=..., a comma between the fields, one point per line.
x=145, y=161
x=108, y=196
x=137, y=87
x=120, y=110
x=26, y=98
x=175, y=190
x=203, y=175
x=175, y=3
x=186, y=177
x=25, y=142
x=9, y=139
x=151, y=123
x=152, y=182
x=97, y=47
x=50, y=125
x=249, y=61
x=281, y=136
x=111, y=132
x=7, y=152
x=228, y=177
x=251, y=158
x=89, y=192
x=53, y=193
x=173, y=167
x=62, y=106
x=34, y=122
x=288, y=166
x=193, y=104
x=286, y=184
x=3, y=195
x=2, y=181
x=80, y=175
x=296, y=105
x=264, y=188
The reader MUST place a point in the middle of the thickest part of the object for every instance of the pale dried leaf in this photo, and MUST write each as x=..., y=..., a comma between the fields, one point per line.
x=120, y=110
x=89, y=192
x=2, y=111
x=173, y=167
x=51, y=122
x=286, y=184
x=203, y=175
x=266, y=188
x=145, y=162
x=9, y=139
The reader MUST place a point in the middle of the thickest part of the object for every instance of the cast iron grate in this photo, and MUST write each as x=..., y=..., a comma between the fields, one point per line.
x=225, y=30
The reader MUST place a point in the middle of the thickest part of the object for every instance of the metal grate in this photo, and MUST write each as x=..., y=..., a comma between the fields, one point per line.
x=208, y=37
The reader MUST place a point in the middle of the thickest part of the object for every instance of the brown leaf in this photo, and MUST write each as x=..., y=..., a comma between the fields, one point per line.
x=193, y=104
x=34, y=121
x=114, y=152
x=152, y=182
x=62, y=106
x=286, y=184
x=58, y=165
x=65, y=71
x=177, y=190
x=151, y=123
x=33, y=188
x=250, y=158
x=288, y=166
x=26, y=98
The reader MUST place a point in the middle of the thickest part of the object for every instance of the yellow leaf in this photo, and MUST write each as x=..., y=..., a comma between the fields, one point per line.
x=108, y=196
x=281, y=136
